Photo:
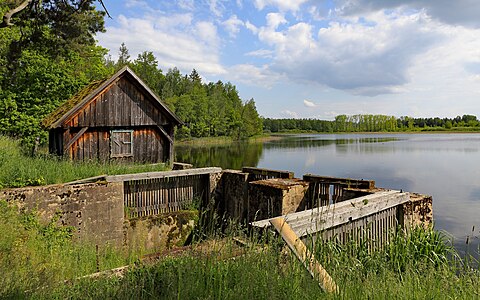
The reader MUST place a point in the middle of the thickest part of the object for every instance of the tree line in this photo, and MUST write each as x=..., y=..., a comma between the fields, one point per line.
x=208, y=109
x=48, y=52
x=371, y=123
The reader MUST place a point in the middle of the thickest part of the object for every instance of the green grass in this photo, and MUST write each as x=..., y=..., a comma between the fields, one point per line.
x=20, y=170
x=36, y=259
x=419, y=265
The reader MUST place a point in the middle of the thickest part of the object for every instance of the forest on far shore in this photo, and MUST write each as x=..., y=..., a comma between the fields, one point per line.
x=372, y=123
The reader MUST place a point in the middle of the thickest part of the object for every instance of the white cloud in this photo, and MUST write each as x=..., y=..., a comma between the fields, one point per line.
x=207, y=32
x=261, y=53
x=253, y=75
x=216, y=7
x=137, y=4
x=275, y=19
x=282, y=5
x=458, y=12
x=176, y=41
x=289, y=114
x=309, y=103
x=251, y=27
x=364, y=58
x=232, y=25
x=187, y=4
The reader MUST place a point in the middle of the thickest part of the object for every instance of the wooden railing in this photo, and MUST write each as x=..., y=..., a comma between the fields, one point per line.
x=325, y=190
x=147, y=194
x=262, y=174
x=369, y=218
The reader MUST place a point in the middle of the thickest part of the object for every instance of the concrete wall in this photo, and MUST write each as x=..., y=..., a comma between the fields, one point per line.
x=418, y=211
x=97, y=213
x=95, y=210
x=275, y=197
x=157, y=233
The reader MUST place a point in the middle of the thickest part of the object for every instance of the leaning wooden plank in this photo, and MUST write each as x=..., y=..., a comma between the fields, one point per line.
x=74, y=139
x=304, y=255
x=165, y=134
x=148, y=175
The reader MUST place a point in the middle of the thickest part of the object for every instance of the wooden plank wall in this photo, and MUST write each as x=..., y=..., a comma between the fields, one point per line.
x=120, y=105
x=91, y=145
x=369, y=219
x=148, y=145
x=146, y=197
x=374, y=230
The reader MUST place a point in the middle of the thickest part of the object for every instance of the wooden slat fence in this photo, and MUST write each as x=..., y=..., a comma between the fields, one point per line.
x=367, y=219
x=325, y=190
x=153, y=193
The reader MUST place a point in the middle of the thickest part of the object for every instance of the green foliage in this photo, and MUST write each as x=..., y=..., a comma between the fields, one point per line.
x=37, y=255
x=54, y=56
x=372, y=123
x=20, y=170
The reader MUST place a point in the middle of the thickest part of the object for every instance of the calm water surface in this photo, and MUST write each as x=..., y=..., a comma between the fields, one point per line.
x=446, y=166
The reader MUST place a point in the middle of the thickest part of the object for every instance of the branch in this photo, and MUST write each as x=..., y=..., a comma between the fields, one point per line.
x=8, y=15
x=105, y=8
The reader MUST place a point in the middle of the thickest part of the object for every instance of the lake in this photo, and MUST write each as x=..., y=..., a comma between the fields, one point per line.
x=446, y=166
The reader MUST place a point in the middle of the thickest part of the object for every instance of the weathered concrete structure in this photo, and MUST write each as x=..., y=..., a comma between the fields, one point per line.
x=153, y=211
x=94, y=209
x=275, y=197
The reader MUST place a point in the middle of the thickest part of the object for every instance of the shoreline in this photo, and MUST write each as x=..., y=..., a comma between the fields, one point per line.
x=225, y=140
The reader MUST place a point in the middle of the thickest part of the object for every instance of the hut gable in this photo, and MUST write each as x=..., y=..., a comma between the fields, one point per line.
x=119, y=117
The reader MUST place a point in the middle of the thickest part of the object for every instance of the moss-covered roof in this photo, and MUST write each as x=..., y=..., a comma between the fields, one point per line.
x=80, y=99
x=71, y=103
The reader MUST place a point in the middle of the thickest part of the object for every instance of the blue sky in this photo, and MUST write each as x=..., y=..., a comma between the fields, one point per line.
x=319, y=58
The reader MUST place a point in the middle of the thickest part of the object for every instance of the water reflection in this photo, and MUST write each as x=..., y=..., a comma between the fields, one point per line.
x=442, y=165
x=231, y=156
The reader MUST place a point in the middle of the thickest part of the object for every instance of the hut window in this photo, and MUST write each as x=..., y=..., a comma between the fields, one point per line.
x=121, y=143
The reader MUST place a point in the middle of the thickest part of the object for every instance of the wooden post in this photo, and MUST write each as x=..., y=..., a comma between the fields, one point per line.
x=304, y=255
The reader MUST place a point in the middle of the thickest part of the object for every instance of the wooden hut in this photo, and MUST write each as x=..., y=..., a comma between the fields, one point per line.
x=116, y=118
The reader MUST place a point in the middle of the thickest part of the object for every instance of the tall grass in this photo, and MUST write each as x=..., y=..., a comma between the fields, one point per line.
x=35, y=260
x=20, y=170
x=416, y=265
x=36, y=256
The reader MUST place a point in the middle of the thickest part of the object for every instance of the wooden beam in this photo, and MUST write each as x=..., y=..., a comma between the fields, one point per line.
x=268, y=172
x=304, y=255
x=321, y=218
x=349, y=182
x=148, y=175
x=75, y=138
x=165, y=134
